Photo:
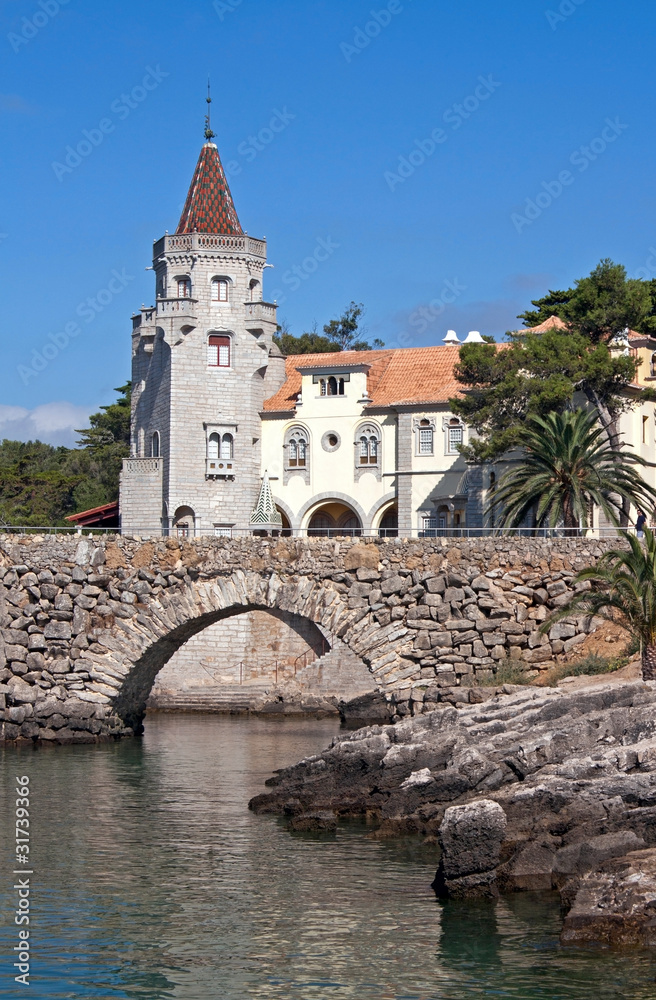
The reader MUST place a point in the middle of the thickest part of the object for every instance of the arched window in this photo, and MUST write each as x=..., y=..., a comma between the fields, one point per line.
x=653, y=365
x=254, y=291
x=341, y=387
x=154, y=445
x=296, y=451
x=218, y=351
x=323, y=386
x=184, y=288
x=226, y=447
x=367, y=444
x=219, y=290
x=332, y=386
x=213, y=446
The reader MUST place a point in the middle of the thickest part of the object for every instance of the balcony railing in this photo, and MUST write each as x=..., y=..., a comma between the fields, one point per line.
x=142, y=466
x=204, y=241
x=260, y=312
x=177, y=307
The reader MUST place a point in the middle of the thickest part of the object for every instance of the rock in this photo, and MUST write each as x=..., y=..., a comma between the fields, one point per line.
x=616, y=904
x=314, y=822
x=57, y=630
x=21, y=692
x=576, y=859
x=470, y=839
x=365, y=710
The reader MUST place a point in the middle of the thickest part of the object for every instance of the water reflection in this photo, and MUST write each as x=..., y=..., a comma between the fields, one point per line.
x=154, y=881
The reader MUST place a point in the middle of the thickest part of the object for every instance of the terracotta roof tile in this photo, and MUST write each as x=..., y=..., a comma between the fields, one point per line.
x=419, y=375
x=209, y=207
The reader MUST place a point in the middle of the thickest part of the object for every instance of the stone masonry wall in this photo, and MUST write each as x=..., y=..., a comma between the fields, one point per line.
x=87, y=624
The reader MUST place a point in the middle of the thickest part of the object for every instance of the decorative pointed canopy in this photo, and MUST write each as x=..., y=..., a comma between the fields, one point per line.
x=209, y=207
x=266, y=513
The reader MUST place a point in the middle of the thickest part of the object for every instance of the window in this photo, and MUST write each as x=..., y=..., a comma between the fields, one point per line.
x=184, y=288
x=653, y=365
x=455, y=438
x=368, y=450
x=645, y=424
x=226, y=447
x=425, y=440
x=213, y=445
x=218, y=352
x=219, y=290
x=254, y=291
x=332, y=386
x=154, y=445
x=223, y=531
x=183, y=530
x=297, y=453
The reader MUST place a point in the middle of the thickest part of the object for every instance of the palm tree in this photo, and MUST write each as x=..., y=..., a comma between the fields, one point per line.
x=567, y=467
x=623, y=592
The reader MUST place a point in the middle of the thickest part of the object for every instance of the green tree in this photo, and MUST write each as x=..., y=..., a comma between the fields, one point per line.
x=40, y=485
x=623, y=592
x=338, y=335
x=567, y=466
x=540, y=373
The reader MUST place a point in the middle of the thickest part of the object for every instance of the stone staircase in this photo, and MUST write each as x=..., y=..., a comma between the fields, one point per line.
x=222, y=698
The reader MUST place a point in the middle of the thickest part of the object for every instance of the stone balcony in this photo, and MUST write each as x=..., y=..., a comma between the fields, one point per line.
x=260, y=312
x=178, y=308
x=191, y=242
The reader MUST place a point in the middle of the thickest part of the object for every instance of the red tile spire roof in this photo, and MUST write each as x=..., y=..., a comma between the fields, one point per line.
x=209, y=207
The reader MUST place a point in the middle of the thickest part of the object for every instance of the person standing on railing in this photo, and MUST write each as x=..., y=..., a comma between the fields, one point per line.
x=641, y=520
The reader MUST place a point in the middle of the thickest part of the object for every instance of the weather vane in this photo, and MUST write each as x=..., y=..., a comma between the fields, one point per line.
x=209, y=134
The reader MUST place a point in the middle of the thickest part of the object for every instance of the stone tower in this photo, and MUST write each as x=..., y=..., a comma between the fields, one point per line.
x=203, y=361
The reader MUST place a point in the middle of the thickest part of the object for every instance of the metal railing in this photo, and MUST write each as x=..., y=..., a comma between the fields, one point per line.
x=149, y=531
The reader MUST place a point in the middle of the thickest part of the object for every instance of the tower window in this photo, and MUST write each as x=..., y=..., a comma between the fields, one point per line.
x=154, y=445
x=184, y=288
x=226, y=447
x=219, y=290
x=218, y=352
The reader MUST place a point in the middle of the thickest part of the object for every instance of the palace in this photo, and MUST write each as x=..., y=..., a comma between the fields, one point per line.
x=229, y=436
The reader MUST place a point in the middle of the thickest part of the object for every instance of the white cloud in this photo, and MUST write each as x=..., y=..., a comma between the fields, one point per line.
x=53, y=423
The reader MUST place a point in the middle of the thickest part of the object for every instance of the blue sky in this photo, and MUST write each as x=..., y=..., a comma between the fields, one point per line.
x=460, y=158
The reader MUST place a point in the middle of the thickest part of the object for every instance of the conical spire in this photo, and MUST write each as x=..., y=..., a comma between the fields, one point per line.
x=209, y=207
x=266, y=515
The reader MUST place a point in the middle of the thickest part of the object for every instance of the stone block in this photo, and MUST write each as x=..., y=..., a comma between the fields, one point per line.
x=576, y=640
x=57, y=630
x=561, y=631
x=393, y=585
x=432, y=600
x=557, y=588
x=16, y=653
x=367, y=574
x=435, y=585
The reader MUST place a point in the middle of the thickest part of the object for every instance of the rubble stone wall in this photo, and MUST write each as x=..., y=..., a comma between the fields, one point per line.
x=87, y=623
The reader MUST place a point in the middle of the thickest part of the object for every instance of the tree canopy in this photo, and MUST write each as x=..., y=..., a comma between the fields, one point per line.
x=539, y=373
x=342, y=334
x=41, y=484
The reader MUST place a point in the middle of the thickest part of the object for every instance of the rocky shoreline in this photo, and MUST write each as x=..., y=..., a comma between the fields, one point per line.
x=532, y=790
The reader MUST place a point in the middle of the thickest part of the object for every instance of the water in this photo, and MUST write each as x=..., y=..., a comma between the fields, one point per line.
x=152, y=880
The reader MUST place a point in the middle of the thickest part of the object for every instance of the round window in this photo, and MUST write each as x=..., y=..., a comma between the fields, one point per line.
x=330, y=441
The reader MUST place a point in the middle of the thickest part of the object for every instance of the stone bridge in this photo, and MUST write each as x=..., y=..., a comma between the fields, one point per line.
x=86, y=623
